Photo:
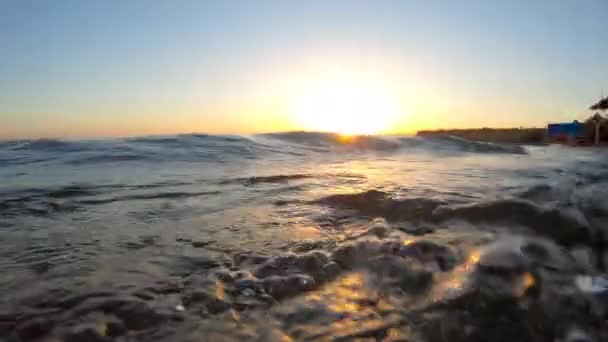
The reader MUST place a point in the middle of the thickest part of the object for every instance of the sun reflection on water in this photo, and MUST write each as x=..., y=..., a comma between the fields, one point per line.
x=473, y=258
x=346, y=292
x=350, y=294
x=408, y=242
x=516, y=284
x=219, y=289
x=455, y=282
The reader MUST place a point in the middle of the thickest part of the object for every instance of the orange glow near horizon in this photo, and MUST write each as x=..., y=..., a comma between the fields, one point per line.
x=344, y=99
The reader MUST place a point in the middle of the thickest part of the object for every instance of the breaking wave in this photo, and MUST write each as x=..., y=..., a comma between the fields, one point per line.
x=452, y=143
x=445, y=144
x=568, y=226
x=202, y=147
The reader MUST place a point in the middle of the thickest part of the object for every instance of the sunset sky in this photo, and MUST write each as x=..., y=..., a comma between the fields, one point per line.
x=122, y=68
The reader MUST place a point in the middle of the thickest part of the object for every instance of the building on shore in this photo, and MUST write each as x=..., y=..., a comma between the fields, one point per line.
x=593, y=131
x=572, y=133
x=597, y=119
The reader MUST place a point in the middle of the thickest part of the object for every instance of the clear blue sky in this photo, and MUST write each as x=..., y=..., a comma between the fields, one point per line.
x=75, y=68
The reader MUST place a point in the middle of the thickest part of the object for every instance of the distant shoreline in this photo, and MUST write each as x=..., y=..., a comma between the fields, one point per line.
x=499, y=135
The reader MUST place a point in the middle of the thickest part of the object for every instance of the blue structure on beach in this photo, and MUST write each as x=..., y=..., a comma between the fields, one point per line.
x=565, y=132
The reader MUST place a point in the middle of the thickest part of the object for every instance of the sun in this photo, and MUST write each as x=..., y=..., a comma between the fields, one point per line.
x=345, y=107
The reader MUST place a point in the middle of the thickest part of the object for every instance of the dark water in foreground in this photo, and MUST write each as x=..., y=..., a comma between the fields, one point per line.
x=301, y=236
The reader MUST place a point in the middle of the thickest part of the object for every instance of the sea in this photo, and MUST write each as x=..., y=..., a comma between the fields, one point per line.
x=302, y=236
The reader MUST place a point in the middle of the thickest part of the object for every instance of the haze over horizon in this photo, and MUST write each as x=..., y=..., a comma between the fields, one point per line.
x=113, y=68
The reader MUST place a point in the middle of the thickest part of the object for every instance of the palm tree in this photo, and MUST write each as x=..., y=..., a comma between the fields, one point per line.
x=601, y=105
x=597, y=120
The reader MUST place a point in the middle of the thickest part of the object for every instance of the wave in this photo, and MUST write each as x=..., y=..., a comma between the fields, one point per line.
x=149, y=196
x=449, y=142
x=329, y=140
x=45, y=201
x=110, y=158
x=567, y=226
x=45, y=145
x=375, y=203
x=226, y=148
x=242, y=143
x=443, y=144
x=191, y=140
x=247, y=181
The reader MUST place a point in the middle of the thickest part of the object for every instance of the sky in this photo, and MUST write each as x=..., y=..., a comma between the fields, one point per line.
x=75, y=68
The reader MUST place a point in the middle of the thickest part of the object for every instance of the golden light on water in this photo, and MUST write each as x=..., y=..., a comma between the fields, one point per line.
x=408, y=242
x=219, y=289
x=529, y=280
x=346, y=106
x=454, y=283
x=526, y=281
x=474, y=257
x=344, y=294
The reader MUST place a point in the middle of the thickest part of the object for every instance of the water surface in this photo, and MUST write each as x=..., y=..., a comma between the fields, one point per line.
x=297, y=236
